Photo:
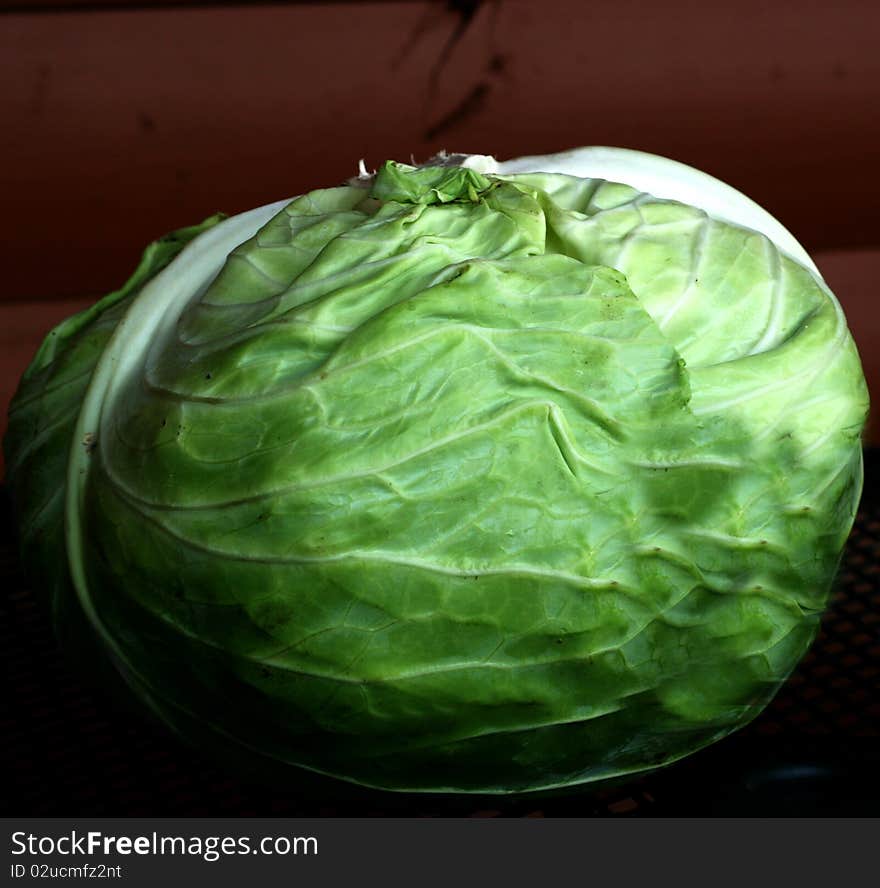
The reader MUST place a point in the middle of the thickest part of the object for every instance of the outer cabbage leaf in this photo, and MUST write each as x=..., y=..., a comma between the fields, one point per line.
x=42, y=416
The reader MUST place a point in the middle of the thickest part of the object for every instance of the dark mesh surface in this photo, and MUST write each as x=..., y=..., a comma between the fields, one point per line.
x=815, y=750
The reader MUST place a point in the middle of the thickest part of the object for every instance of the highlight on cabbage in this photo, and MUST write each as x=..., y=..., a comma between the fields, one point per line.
x=474, y=477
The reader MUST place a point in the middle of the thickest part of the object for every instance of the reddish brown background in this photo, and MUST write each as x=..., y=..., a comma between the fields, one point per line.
x=125, y=120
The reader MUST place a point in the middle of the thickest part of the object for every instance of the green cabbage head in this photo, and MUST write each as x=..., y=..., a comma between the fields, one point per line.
x=466, y=477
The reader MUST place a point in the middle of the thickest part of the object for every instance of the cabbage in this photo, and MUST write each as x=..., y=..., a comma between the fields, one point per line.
x=468, y=477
